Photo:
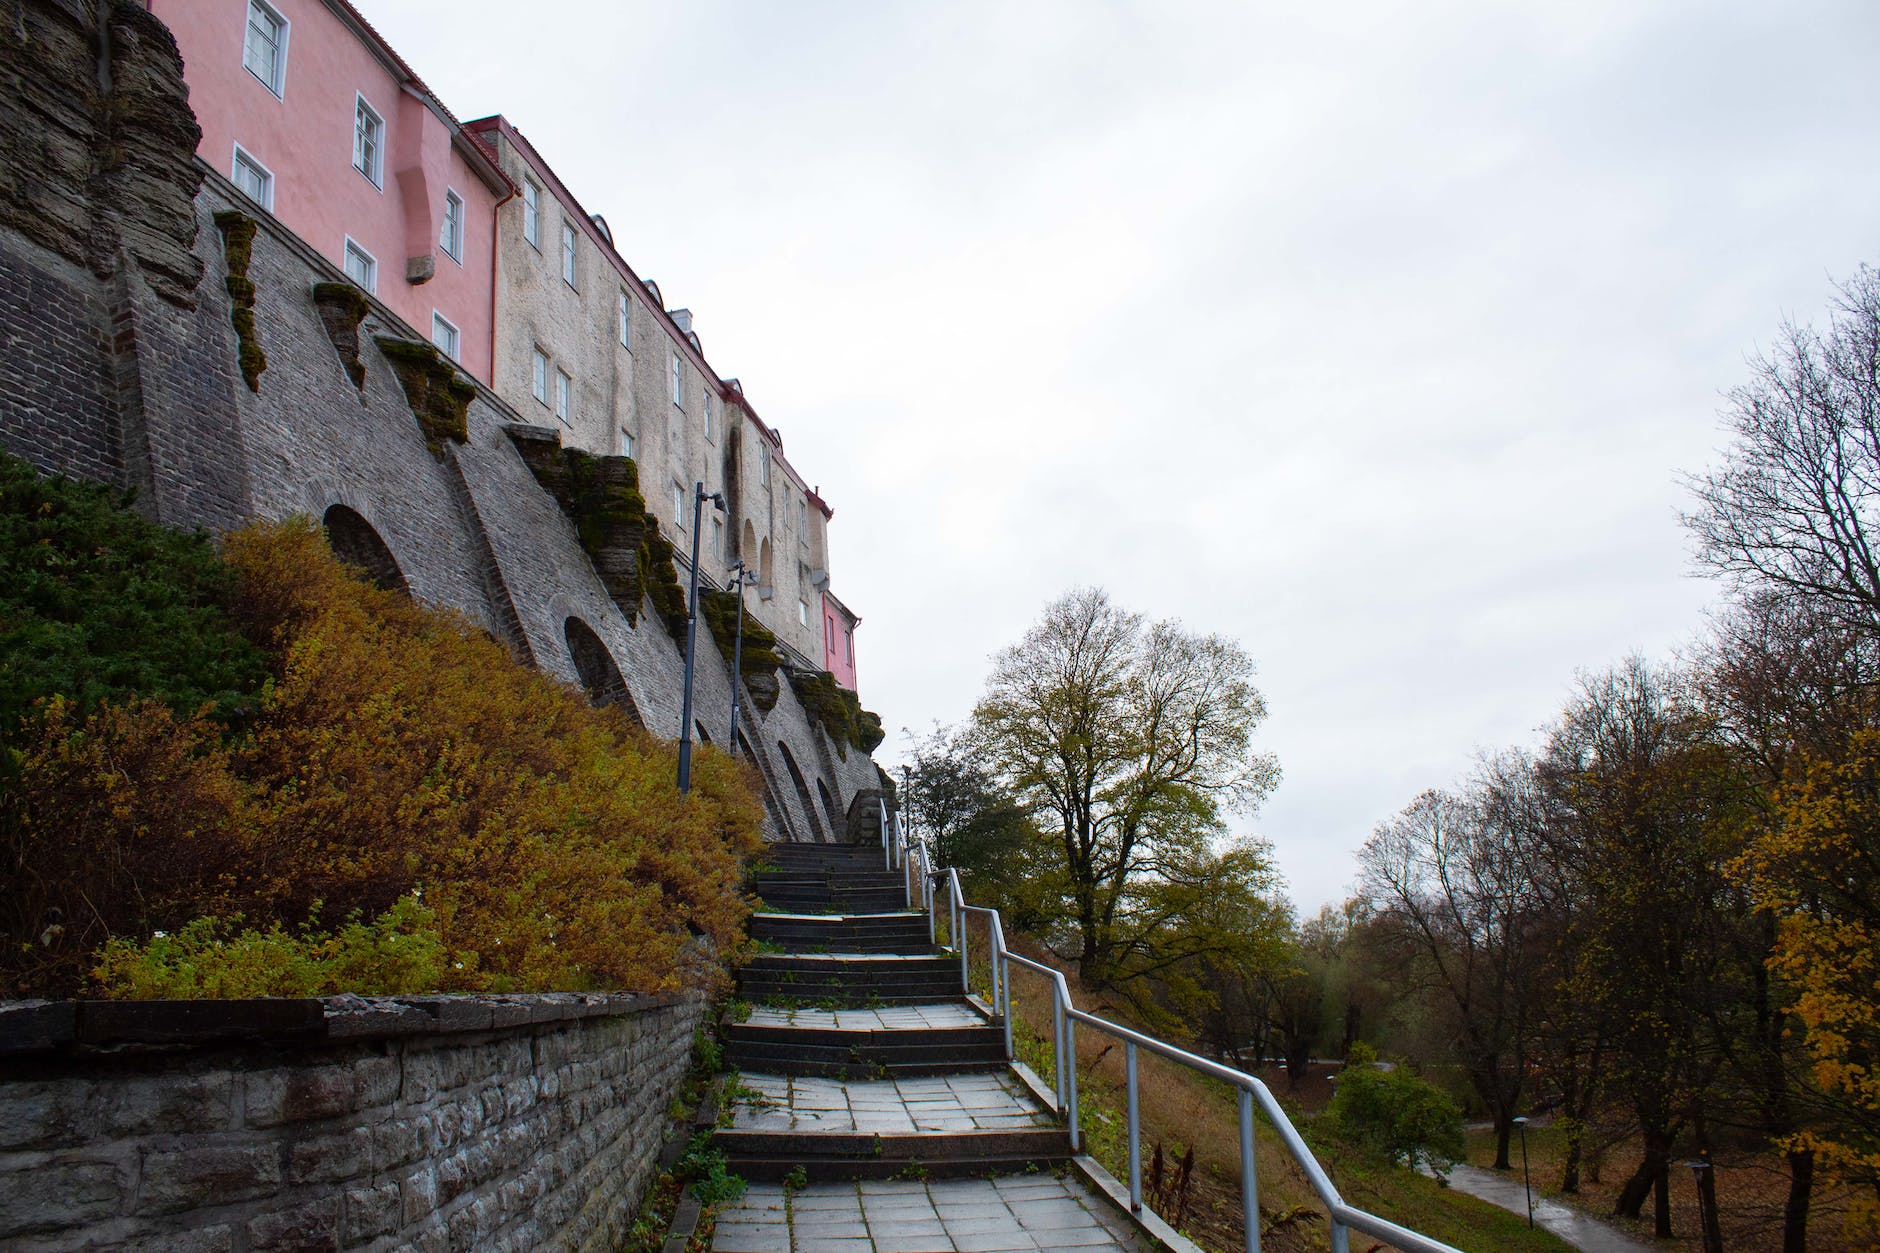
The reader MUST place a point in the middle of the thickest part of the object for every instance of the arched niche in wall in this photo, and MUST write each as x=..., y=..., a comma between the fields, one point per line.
x=829, y=809
x=766, y=577
x=779, y=822
x=698, y=729
x=802, y=789
x=355, y=542
x=747, y=547
x=599, y=675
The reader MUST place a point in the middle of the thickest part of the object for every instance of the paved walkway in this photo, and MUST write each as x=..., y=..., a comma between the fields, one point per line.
x=938, y=1103
x=904, y=1216
x=1582, y=1231
x=887, y=1018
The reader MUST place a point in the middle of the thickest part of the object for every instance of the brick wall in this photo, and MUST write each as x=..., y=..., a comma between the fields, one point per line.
x=499, y=1123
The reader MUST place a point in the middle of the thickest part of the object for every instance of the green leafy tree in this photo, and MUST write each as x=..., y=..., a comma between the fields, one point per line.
x=1395, y=1114
x=1129, y=742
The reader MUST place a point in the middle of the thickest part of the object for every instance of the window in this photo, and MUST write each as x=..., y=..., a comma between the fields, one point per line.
x=532, y=213
x=626, y=340
x=763, y=465
x=708, y=413
x=802, y=612
x=829, y=635
x=540, y=383
x=451, y=238
x=802, y=523
x=564, y=387
x=718, y=538
x=264, y=47
x=848, y=643
x=361, y=267
x=445, y=337
x=678, y=506
x=567, y=253
x=678, y=381
x=253, y=179
x=368, y=142
x=626, y=442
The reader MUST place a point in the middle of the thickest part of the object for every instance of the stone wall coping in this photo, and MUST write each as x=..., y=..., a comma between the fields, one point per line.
x=28, y=1027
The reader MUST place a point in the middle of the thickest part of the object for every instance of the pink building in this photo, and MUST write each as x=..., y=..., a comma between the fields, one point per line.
x=839, y=624
x=314, y=117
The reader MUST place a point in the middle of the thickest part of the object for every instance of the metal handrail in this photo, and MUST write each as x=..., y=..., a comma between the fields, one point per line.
x=912, y=855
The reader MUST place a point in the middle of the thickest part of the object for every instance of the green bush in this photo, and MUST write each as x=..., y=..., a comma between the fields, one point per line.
x=398, y=953
x=1395, y=1114
x=100, y=604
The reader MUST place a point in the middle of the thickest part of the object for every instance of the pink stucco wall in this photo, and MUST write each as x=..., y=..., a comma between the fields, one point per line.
x=305, y=138
x=838, y=645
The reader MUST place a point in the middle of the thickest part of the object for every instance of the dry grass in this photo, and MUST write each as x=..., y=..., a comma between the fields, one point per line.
x=1181, y=1110
x=1752, y=1186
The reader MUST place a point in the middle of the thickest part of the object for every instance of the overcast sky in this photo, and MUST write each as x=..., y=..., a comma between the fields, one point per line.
x=1372, y=335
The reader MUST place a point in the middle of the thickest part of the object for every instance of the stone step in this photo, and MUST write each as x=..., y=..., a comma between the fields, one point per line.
x=867, y=901
x=843, y=935
x=830, y=1061
x=855, y=1155
x=846, y=1170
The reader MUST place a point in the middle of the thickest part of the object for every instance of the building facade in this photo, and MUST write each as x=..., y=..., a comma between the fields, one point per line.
x=320, y=123
x=587, y=347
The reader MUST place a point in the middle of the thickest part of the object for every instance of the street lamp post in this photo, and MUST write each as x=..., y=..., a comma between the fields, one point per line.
x=1707, y=1202
x=741, y=578
x=699, y=497
x=1527, y=1185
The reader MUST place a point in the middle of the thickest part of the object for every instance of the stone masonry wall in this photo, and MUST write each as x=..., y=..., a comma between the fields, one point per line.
x=112, y=368
x=493, y=1123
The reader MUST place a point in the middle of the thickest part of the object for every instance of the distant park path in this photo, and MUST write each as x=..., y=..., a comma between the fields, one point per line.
x=1579, y=1230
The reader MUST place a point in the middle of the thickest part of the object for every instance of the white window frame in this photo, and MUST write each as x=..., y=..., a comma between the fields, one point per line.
x=718, y=537
x=678, y=381
x=626, y=321
x=538, y=375
x=802, y=611
x=570, y=254
x=352, y=248
x=763, y=465
x=532, y=214
x=278, y=87
x=244, y=157
x=449, y=239
x=627, y=443
x=375, y=174
x=564, y=397
x=452, y=336
x=711, y=436
x=678, y=505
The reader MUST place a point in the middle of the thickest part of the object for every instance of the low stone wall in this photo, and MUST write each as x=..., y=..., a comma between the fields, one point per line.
x=500, y=1123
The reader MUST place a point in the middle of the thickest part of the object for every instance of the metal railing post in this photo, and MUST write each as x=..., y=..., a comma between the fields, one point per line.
x=1135, y=1130
x=926, y=890
x=1249, y=1185
x=966, y=984
x=1070, y=1068
x=1006, y=984
x=1057, y=1049
x=1341, y=1237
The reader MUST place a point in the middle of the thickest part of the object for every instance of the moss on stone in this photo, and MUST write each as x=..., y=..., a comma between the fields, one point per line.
x=439, y=396
x=342, y=308
x=760, y=659
x=839, y=710
x=238, y=241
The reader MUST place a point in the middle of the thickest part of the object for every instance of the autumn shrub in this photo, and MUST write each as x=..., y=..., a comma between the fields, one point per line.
x=397, y=952
x=395, y=748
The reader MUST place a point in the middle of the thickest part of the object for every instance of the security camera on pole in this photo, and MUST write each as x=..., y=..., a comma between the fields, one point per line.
x=699, y=497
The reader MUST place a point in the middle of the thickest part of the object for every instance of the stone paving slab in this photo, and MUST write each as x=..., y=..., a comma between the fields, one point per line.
x=984, y=1101
x=1018, y=1212
x=887, y=1018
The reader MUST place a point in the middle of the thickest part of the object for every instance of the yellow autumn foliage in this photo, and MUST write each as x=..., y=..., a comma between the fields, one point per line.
x=398, y=749
x=1818, y=869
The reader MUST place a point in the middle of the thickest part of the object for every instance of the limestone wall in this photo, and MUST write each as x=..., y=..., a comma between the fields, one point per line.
x=499, y=1123
x=114, y=371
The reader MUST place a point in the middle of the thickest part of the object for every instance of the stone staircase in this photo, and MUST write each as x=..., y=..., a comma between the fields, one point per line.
x=874, y=1108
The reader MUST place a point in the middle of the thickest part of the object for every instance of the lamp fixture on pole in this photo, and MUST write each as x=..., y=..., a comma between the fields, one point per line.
x=699, y=497
x=1527, y=1185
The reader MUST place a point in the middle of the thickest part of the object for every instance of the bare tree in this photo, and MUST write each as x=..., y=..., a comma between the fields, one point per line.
x=1795, y=509
x=1453, y=888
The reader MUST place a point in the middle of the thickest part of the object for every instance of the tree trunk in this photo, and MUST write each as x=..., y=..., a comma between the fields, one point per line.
x=1661, y=1202
x=1504, y=1132
x=1650, y=1179
x=1570, y=1170
x=1795, y=1211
